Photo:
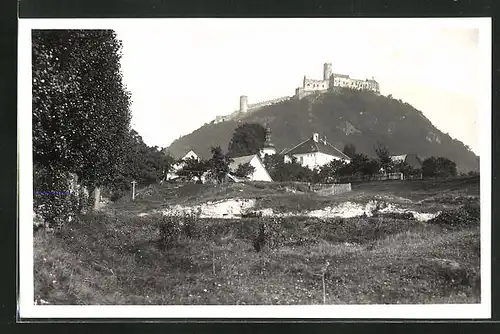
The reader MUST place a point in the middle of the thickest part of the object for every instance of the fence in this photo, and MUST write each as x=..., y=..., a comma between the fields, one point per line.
x=320, y=188
x=377, y=177
x=334, y=189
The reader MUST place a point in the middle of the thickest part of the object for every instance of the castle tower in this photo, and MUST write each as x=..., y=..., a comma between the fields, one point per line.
x=268, y=148
x=243, y=103
x=327, y=71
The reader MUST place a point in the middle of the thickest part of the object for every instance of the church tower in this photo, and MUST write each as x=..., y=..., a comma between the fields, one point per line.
x=268, y=148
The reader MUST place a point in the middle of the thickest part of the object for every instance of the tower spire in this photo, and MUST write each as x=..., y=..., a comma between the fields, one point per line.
x=268, y=142
x=268, y=147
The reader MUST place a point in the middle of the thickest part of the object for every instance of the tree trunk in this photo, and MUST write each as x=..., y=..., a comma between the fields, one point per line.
x=97, y=198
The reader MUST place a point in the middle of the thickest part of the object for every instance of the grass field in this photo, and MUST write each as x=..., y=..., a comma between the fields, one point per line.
x=117, y=257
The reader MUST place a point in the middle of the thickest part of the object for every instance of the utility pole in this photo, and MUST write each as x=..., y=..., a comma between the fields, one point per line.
x=133, y=190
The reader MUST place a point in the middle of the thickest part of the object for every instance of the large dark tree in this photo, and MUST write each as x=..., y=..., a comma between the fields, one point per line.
x=362, y=165
x=384, y=158
x=248, y=138
x=349, y=150
x=288, y=171
x=81, y=111
x=332, y=170
x=438, y=167
x=193, y=168
x=244, y=170
x=143, y=164
x=167, y=163
x=218, y=164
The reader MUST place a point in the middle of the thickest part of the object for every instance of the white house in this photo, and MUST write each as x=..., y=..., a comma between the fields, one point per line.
x=315, y=152
x=412, y=160
x=189, y=155
x=260, y=173
x=178, y=166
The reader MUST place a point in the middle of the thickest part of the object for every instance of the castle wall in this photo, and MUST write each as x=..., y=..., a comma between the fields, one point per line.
x=347, y=82
x=268, y=102
x=316, y=85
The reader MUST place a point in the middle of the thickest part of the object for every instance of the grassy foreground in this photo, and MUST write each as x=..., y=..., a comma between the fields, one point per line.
x=116, y=257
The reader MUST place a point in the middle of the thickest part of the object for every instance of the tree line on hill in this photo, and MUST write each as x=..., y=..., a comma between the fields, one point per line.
x=249, y=138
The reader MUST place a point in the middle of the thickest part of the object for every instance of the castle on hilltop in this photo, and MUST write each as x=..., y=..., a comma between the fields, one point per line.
x=333, y=80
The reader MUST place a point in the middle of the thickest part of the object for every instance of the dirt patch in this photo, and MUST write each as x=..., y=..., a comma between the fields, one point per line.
x=238, y=208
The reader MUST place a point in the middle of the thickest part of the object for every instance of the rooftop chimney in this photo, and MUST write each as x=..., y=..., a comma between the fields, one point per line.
x=315, y=137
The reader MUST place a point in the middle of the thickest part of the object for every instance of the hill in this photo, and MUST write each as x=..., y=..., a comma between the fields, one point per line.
x=347, y=116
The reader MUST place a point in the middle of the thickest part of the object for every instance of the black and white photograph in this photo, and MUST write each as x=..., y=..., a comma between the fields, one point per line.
x=255, y=168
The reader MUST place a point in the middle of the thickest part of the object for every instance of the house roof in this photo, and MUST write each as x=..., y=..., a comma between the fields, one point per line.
x=398, y=158
x=311, y=146
x=412, y=159
x=241, y=160
x=283, y=151
x=233, y=166
x=182, y=155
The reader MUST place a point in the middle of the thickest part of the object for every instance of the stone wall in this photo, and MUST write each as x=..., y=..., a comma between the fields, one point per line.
x=266, y=103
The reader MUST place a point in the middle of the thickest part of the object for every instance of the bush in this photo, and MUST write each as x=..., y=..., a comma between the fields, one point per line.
x=53, y=202
x=448, y=271
x=465, y=216
x=438, y=167
x=251, y=214
x=395, y=215
x=189, y=224
x=169, y=230
x=260, y=239
x=116, y=195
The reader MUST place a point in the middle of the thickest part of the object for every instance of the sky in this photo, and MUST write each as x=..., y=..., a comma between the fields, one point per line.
x=184, y=72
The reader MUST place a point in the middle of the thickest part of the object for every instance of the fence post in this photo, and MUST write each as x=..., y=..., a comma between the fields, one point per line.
x=133, y=190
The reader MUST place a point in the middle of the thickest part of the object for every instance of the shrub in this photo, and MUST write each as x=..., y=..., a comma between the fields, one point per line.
x=251, y=214
x=54, y=204
x=116, y=195
x=169, y=230
x=450, y=272
x=189, y=224
x=260, y=239
x=396, y=215
x=465, y=216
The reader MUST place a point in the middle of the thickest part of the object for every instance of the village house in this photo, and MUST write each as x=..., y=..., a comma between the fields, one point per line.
x=178, y=166
x=412, y=160
x=315, y=152
x=259, y=174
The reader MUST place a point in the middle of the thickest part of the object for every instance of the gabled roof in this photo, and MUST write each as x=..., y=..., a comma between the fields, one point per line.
x=283, y=151
x=412, y=159
x=398, y=158
x=185, y=155
x=311, y=146
x=233, y=166
x=240, y=161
